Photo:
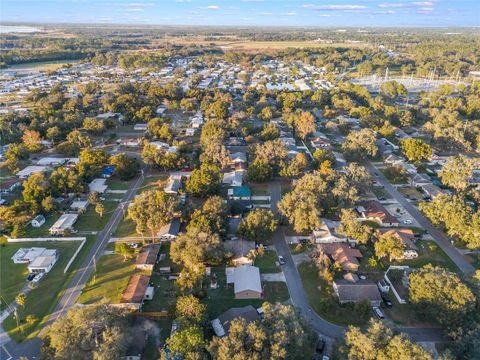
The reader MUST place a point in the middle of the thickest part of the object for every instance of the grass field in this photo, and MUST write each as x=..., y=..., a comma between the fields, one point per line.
x=429, y=253
x=267, y=262
x=91, y=221
x=126, y=228
x=41, y=300
x=109, y=280
x=118, y=184
x=42, y=231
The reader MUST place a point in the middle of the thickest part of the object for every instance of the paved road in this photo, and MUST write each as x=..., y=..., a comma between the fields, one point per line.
x=31, y=348
x=440, y=238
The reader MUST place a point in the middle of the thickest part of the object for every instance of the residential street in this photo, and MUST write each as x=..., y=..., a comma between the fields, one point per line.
x=440, y=238
x=31, y=348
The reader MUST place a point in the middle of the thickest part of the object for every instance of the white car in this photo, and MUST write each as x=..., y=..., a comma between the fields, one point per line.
x=378, y=313
x=407, y=222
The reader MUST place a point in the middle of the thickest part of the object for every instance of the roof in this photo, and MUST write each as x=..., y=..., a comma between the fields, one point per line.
x=98, y=185
x=172, y=228
x=405, y=235
x=7, y=184
x=174, y=184
x=247, y=312
x=50, y=160
x=108, y=170
x=137, y=285
x=148, y=255
x=239, y=247
x=245, y=278
x=79, y=204
x=358, y=291
x=39, y=218
x=29, y=170
x=238, y=156
x=65, y=221
x=373, y=209
x=41, y=262
x=343, y=254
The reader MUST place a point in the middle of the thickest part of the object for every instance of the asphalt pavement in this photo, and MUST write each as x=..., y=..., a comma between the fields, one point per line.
x=438, y=236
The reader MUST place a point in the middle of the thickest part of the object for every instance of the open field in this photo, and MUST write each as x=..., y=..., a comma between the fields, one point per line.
x=41, y=301
x=91, y=221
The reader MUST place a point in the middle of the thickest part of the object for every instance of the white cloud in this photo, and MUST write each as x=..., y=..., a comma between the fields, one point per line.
x=334, y=7
x=292, y=13
x=392, y=5
x=213, y=7
x=266, y=13
x=423, y=3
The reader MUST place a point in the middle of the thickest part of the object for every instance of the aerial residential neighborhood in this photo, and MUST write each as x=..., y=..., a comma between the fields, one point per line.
x=240, y=192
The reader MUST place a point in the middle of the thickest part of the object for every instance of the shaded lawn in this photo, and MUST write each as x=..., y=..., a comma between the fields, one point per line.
x=126, y=228
x=91, y=221
x=108, y=281
x=267, y=262
x=299, y=248
x=321, y=299
x=41, y=301
x=223, y=298
x=410, y=193
x=152, y=182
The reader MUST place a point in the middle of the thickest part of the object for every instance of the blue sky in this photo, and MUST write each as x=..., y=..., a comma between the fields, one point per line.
x=247, y=12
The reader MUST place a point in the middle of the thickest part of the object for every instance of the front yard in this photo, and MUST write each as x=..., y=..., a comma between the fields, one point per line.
x=268, y=262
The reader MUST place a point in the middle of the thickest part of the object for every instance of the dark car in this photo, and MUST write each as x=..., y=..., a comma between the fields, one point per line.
x=320, y=346
x=387, y=301
x=31, y=276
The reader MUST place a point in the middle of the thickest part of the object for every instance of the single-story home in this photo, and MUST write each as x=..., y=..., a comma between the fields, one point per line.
x=148, y=256
x=170, y=231
x=238, y=160
x=110, y=116
x=246, y=281
x=419, y=180
x=174, y=184
x=343, y=254
x=42, y=264
x=327, y=233
x=374, y=211
x=140, y=127
x=27, y=255
x=355, y=292
x=241, y=251
x=9, y=185
x=240, y=193
x=98, y=185
x=221, y=325
x=64, y=222
x=38, y=221
x=29, y=170
x=136, y=289
x=80, y=206
x=233, y=178
x=406, y=236
x=432, y=190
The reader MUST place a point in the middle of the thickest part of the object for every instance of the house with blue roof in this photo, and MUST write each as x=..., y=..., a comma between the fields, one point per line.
x=240, y=193
x=107, y=171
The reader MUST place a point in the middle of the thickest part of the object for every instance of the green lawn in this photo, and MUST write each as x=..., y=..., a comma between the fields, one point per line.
x=126, y=228
x=109, y=280
x=410, y=193
x=152, y=182
x=42, y=231
x=267, y=262
x=380, y=192
x=321, y=299
x=40, y=301
x=118, y=184
x=91, y=221
x=299, y=248
x=221, y=299
x=12, y=276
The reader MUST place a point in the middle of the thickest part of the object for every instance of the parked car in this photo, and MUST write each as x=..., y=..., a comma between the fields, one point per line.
x=407, y=222
x=281, y=260
x=38, y=277
x=387, y=301
x=320, y=346
x=378, y=312
x=31, y=276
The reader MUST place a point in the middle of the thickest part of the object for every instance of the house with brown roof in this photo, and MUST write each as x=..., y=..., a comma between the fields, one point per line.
x=343, y=254
x=148, y=257
x=374, y=211
x=221, y=325
x=136, y=289
x=355, y=292
x=9, y=185
x=404, y=235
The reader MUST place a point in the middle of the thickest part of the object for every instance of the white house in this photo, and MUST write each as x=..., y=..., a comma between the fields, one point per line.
x=327, y=233
x=38, y=221
x=42, y=264
x=233, y=178
x=246, y=281
x=98, y=185
x=64, y=222
x=29, y=170
x=80, y=206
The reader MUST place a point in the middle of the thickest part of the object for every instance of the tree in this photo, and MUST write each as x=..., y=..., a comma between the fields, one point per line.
x=320, y=155
x=270, y=132
x=64, y=181
x=189, y=309
x=353, y=228
x=389, y=245
x=304, y=124
x=258, y=225
x=360, y=144
x=204, y=181
x=90, y=332
x=188, y=343
x=31, y=319
x=457, y=172
x=124, y=250
x=20, y=299
x=211, y=218
x=35, y=189
x=126, y=167
x=151, y=210
x=100, y=209
x=32, y=140
x=296, y=167
x=415, y=149
x=271, y=152
x=393, y=89
x=91, y=162
x=93, y=126
x=379, y=342
x=14, y=154
x=259, y=171
x=440, y=295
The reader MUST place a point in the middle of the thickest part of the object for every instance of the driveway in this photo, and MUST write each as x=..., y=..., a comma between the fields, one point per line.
x=439, y=237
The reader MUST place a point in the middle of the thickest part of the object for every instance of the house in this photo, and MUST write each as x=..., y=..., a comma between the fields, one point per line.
x=327, y=233
x=241, y=251
x=57, y=161
x=355, y=292
x=8, y=186
x=148, y=257
x=374, y=211
x=174, y=184
x=321, y=143
x=190, y=131
x=107, y=171
x=240, y=193
x=80, y=206
x=418, y=180
x=233, y=178
x=130, y=142
x=140, y=127
x=160, y=145
x=394, y=160
x=238, y=161
x=38, y=221
x=221, y=325
x=136, y=289
x=169, y=231
x=27, y=255
x=42, y=264
x=343, y=254
x=29, y=170
x=64, y=223
x=406, y=236
x=110, y=116
x=432, y=190
x=246, y=281
x=98, y=185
